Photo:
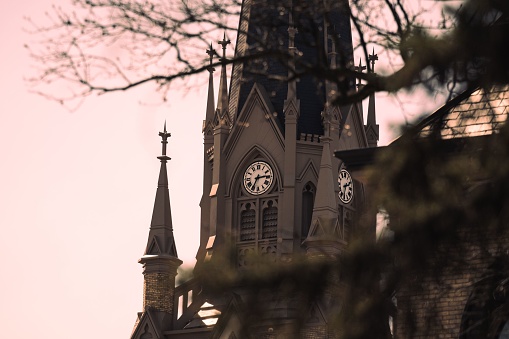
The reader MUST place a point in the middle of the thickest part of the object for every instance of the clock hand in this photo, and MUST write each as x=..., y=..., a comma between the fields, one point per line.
x=256, y=179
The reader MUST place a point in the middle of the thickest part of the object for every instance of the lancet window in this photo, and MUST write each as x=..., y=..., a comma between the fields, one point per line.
x=257, y=229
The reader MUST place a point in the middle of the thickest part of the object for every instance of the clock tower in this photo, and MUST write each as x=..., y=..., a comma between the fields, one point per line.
x=267, y=142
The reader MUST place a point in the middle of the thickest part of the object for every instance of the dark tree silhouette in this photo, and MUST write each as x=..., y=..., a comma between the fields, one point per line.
x=100, y=46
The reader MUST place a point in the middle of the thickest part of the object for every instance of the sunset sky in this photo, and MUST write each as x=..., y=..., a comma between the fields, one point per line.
x=77, y=191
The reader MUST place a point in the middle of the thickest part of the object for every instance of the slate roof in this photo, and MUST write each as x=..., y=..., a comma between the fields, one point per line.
x=309, y=41
x=473, y=113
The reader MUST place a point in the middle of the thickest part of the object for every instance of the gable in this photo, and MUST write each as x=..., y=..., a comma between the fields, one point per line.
x=256, y=124
x=229, y=325
x=353, y=134
x=309, y=173
x=236, y=169
x=146, y=328
x=255, y=134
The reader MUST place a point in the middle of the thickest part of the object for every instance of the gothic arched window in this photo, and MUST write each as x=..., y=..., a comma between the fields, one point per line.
x=269, y=223
x=248, y=223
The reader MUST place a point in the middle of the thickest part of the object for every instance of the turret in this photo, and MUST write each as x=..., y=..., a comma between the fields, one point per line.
x=208, y=152
x=160, y=261
x=325, y=236
x=372, y=128
x=359, y=85
x=222, y=128
x=292, y=113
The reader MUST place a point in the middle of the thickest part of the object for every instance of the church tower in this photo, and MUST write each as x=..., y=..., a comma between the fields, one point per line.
x=271, y=137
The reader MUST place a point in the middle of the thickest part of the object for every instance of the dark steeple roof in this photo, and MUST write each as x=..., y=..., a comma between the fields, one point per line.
x=265, y=26
x=160, y=239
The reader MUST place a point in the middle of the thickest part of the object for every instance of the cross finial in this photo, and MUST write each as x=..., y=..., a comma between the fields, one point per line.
x=359, y=69
x=211, y=53
x=164, y=136
x=373, y=57
x=224, y=43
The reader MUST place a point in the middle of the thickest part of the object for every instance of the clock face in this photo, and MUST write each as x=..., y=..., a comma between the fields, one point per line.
x=345, y=186
x=258, y=178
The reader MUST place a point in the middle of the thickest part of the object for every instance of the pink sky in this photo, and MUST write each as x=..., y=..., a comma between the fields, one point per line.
x=77, y=191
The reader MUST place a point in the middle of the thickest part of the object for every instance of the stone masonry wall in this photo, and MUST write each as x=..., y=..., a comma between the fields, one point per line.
x=431, y=305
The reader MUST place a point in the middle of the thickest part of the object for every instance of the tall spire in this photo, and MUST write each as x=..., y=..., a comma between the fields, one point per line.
x=161, y=239
x=209, y=116
x=372, y=129
x=222, y=100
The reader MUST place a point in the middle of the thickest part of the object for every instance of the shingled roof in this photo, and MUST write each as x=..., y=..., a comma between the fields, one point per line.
x=473, y=113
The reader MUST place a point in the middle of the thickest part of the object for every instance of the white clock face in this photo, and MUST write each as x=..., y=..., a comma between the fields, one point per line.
x=345, y=186
x=258, y=178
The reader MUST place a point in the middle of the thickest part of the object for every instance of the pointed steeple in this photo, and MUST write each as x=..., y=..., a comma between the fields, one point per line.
x=291, y=108
x=160, y=261
x=222, y=99
x=324, y=237
x=372, y=129
x=359, y=85
x=217, y=182
x=359, y=69
x=330, y=87
x=209, y=116
x=161, y=239
x=292, y=84
x=209, y=125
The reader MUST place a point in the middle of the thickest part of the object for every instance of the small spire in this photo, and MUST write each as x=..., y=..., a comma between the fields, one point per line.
x=372, y=129
x=211, y=53
x=373, y=57
x=332, y=53
x=324, y=237
x=164, y=136
x=292, y=85
x=359, y=69
x=222, y=100
x=331, y=87
x=209, y=113
x=223, y=44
